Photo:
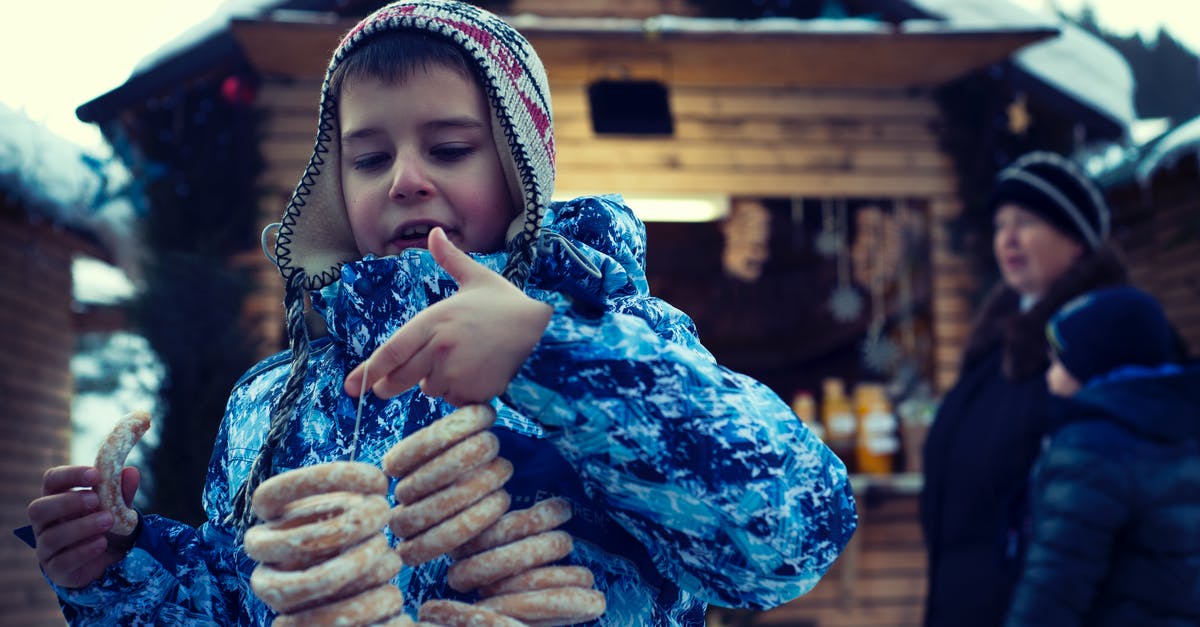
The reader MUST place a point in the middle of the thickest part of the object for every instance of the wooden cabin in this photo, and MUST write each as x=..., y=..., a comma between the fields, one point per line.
x=822, y=145
x=1155, y=200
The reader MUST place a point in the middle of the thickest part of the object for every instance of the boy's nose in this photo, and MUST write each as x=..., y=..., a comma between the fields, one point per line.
x=410, y=181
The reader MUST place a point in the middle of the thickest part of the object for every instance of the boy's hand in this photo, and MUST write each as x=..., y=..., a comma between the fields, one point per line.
x=73, y=543
x=466, y=348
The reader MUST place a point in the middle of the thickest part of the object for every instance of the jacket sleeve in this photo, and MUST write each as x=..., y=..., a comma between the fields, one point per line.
x=176, y=574
x=1081, y=500
x=710, y=470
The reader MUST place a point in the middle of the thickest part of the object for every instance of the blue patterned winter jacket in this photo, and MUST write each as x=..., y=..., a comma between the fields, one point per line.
x=690, y=484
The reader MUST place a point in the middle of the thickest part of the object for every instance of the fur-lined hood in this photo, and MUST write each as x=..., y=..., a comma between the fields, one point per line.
x=1023, y=335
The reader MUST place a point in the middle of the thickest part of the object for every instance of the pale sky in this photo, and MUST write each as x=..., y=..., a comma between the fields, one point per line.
x=59, y=55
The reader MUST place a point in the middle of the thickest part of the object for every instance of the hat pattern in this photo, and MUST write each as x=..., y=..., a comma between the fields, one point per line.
x=314, y=236
x=1057, y=190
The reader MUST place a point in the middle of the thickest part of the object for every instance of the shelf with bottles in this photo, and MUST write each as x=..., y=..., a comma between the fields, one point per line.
x=872, y=433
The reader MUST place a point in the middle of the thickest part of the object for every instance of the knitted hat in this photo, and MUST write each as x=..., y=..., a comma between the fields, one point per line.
x=1055, y=189
x=315, y=238
x=1110, y=328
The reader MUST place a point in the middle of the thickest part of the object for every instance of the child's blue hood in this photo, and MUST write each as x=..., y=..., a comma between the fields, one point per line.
x=1162, y=403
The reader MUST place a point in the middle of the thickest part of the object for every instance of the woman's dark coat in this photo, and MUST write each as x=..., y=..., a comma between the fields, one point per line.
x=981, y=446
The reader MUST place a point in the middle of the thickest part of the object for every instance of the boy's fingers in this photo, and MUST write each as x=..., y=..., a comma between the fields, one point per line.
x=460, y=265
x=403, y=376
x=64, y=478
x=47, y=511
x=393, y=354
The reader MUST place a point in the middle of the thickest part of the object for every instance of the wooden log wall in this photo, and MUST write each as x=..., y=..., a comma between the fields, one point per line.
x=755, y=141
x=36, y=345
x=1158, y=228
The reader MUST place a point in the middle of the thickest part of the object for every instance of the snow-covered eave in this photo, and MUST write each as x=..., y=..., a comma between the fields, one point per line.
x=202, y=48
x=1085, y=69
x=1176, y=144
x=1077, y=66
x=1140, y=166
x=55, y=180
x=669, y=26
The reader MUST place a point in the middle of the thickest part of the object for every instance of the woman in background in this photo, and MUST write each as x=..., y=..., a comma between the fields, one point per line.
x=1050, y=243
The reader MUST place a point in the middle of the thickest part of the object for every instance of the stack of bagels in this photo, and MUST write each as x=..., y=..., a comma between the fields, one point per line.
x=324, y=559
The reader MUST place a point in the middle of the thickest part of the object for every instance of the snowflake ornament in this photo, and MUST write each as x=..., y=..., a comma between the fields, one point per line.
x=829, y=243
x=880, y=353
x=846, y=304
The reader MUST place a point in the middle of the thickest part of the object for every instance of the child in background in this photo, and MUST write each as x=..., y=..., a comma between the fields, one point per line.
x=441, y=275
x=1116, y=505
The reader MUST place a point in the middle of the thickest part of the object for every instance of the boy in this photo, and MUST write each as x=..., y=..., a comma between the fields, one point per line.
x=690, y=483
x=1117, y=489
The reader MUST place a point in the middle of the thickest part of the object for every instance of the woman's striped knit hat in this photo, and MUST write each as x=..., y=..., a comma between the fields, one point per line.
x=1058, y=191
x=314, y=237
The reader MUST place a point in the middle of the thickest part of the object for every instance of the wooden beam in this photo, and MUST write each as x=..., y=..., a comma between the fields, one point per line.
x=882, y=59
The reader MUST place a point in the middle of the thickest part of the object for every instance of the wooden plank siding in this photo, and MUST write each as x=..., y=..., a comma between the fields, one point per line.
x=755, y=141
x=1158, y=229
x=35, y=396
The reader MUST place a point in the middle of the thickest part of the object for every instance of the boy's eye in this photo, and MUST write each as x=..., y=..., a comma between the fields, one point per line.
x=367, y=162
x=451, y=152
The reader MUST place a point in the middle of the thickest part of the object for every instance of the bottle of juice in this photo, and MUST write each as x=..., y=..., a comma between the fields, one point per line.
x=878, y=439
x=806, y=409
x=839, y=420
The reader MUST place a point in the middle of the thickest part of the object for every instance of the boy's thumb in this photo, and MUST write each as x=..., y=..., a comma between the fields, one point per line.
x=449, y=257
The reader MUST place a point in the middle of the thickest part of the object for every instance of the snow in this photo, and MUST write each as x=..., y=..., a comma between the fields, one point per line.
x=1075, y=62
x=114, y=374
x=675, y=24
x=215, y=23
x=1088, y=69
x=57, y=180
x=1182, y=141
x=98, y=283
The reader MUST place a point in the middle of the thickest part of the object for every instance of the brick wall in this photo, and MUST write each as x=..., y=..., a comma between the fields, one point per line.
x=36, y=343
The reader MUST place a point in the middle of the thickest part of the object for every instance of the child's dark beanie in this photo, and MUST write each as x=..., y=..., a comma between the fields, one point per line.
x=1107, y=329
x=1057, y=190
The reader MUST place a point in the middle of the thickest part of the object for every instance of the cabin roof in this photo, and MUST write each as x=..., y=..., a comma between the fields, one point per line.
x=937, y=41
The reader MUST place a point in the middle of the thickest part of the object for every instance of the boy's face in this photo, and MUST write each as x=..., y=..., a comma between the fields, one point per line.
x=1060, y=382
x=420, y=154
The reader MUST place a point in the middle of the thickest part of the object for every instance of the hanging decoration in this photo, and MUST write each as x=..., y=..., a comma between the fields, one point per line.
x=1019, y=118
x=829, y=241
x=846, y=304
x=878, y=257
x=747, y=233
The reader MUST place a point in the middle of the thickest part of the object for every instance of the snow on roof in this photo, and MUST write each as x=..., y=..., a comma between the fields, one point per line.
x=1075, y=62
x=215, y=23
x=676, y=24
x=1184, y=140
x=56, y=179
